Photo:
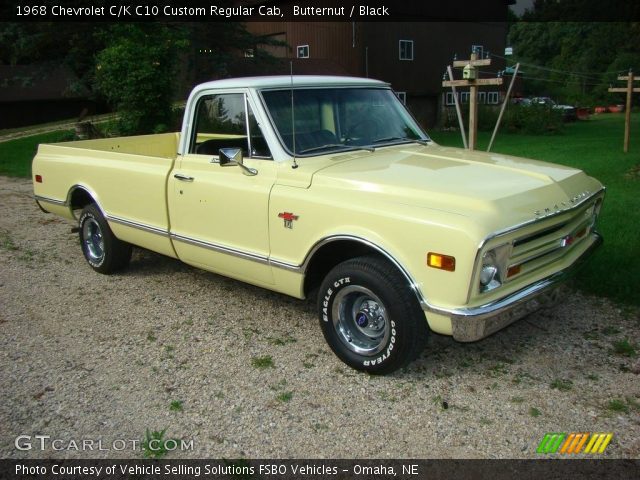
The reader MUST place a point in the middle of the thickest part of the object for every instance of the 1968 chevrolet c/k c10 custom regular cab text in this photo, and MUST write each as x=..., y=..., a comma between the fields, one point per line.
x=327, y=184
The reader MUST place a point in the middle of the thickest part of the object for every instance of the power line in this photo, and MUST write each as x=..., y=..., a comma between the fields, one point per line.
x=564, y=82
x=591, y=76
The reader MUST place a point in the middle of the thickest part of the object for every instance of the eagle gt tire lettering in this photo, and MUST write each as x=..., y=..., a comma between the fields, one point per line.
x=369, y=316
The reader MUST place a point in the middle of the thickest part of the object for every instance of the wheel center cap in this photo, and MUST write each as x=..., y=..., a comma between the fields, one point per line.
x=362, y=320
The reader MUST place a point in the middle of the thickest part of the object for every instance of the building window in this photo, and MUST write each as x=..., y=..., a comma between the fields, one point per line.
x=464, y=97
x=482, y=97
x=478, y=49
x=402, y=96
x=450, y=100
x=303, y=51
x=406, y=49
x=493, y=97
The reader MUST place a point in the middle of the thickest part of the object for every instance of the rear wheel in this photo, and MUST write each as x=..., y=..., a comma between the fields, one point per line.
x=102, y=250
x=369, y=316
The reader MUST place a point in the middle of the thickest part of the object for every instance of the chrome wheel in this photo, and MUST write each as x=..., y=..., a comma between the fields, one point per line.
x=93, y=240
x=360, y=320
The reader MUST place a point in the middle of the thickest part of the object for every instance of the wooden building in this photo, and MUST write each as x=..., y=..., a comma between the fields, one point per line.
x=411, y=56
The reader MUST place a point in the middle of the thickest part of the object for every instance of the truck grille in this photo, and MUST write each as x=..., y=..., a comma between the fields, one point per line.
x=535, y=251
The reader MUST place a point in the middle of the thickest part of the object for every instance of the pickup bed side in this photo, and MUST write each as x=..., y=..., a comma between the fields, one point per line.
x=127, y=178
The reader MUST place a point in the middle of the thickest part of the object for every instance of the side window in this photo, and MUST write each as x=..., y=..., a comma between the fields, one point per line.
x=221, y=122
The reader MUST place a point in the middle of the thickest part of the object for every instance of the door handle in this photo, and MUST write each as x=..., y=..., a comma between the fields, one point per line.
x=184, y=178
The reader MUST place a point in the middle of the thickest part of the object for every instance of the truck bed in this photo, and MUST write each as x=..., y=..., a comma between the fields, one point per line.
x=127, y=176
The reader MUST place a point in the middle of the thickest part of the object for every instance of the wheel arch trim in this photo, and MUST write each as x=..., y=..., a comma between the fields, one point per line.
x=304, y=266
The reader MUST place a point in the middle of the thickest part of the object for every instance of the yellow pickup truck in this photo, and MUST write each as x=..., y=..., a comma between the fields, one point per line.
x=327, y=186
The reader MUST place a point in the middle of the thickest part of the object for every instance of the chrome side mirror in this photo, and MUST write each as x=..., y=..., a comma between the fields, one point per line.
x=233, y=156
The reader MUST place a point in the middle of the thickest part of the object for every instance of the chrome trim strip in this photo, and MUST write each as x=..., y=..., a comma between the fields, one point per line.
x=220, y=249
x=510, y=301
x=139, y=226
x=302, y=268
x=508, y=230
x=40, y=198
x=286, y=266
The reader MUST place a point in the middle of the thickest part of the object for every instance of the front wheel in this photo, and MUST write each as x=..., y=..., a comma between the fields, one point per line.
x=102, y=250
x=369, y=316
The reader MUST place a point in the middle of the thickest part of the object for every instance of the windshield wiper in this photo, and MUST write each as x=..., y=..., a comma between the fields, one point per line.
x=333, y=145
x=389, y=139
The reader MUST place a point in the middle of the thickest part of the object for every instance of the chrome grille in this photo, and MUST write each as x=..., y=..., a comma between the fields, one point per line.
x=537, y=250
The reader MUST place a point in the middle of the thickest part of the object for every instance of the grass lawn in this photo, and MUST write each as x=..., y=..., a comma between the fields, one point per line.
x=594, y=146
x=16, y=155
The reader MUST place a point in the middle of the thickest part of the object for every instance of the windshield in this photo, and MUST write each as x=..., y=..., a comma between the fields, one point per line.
x=339, y=119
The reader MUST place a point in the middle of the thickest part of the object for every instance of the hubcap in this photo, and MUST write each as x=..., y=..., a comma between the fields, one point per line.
x=93, y=241
x=360, y=320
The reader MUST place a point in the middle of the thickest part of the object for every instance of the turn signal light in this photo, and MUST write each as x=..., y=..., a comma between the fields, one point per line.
x=38, y=178
x=514, y=270
x=442, y=262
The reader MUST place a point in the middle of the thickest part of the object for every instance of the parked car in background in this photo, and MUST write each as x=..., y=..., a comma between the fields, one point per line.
x=569, y=112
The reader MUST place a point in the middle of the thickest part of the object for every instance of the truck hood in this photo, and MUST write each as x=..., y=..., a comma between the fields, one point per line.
x=507, y=189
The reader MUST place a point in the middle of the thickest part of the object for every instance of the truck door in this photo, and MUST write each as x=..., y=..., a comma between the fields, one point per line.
x=219, y=213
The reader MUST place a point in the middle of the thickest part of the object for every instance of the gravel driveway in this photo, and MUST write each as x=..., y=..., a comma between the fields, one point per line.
x=242, y=371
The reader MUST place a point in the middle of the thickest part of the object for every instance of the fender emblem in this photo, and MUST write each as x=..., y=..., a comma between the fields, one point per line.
x=288, y=218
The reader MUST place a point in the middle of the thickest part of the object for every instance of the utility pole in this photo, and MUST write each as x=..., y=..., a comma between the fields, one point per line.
x=471, y=80
x=629, y=90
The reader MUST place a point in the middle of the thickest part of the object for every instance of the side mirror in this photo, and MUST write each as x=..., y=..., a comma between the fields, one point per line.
x=233, y=156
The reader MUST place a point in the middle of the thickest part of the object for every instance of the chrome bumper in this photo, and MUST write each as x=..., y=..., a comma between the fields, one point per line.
x=471, y=324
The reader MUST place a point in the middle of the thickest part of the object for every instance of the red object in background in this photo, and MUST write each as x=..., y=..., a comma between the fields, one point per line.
x=616, y=108
x=583, y=113
x=600, y=109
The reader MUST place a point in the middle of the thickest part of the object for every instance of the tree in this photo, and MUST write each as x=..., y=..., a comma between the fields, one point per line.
x=575, y=60
x=136, y=73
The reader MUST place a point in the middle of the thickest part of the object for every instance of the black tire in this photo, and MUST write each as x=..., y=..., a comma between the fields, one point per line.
x=102, y=250
x=370, y=317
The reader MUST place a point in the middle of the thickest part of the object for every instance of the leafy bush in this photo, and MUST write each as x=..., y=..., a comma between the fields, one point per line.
x=532, y=119
x=136, y=73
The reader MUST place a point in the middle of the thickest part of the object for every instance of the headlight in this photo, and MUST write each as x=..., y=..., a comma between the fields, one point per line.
x=492, y=270
x=489, y=274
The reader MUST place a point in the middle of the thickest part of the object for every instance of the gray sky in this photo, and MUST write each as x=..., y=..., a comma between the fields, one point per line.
x=521, y=6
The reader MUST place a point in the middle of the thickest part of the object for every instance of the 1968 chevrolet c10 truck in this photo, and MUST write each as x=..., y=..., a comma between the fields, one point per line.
x=327, y=185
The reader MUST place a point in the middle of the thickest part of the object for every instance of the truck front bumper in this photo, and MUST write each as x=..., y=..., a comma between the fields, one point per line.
x=473, y=323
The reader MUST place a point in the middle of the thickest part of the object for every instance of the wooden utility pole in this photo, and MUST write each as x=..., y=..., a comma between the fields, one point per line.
x=458, y=112
x=472, y=81
x=629, y=90
x=504, y=105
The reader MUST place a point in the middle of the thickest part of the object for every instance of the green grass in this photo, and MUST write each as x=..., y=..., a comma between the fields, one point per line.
x=623, y=347
x=284, y=397
x=263, y=362
x=534, y=412
x=617, y=405
x=176, y=406
x=562, y=384
x=594, y=146
x=154, y=445
x=16, y=155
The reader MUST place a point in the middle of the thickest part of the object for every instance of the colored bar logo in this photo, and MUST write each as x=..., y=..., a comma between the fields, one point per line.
x=573, y=443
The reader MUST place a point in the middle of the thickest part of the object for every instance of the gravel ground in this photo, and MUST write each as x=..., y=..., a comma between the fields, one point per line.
x=242, y=371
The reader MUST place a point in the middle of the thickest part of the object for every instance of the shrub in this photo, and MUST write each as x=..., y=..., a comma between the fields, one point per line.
x=136, y=73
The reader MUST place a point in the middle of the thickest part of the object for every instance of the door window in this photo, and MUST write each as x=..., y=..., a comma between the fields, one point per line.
x=221, y=122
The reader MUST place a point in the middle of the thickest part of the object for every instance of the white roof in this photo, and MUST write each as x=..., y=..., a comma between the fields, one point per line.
x=285, y=81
